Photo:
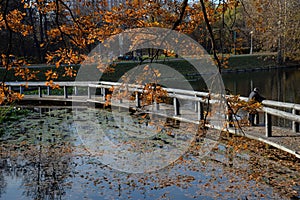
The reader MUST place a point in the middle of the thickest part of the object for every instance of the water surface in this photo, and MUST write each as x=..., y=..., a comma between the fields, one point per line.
x=43, y=157
x=277, y=84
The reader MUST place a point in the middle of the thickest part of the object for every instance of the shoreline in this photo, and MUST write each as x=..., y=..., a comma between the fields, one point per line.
x=284, y=139
x=266, y=68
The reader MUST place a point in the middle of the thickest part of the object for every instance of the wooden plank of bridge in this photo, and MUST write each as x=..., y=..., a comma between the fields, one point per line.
x=282, y=138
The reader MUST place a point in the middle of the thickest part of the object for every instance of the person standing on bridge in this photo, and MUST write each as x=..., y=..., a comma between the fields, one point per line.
x=254, y=97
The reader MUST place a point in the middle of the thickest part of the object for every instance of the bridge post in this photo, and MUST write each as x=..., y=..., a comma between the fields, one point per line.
x=200, y=110
x=196, y=105
x=120, y=97
x=89, y=92
x=65, y=92
x=176, y=106
x=156, y=106
x=137, y=100
x=21, y=89
x=40, y=91
x=295, y=125
x=229, y=117
x=268, y=119
x=256, y=119
x=103, y=92
x=75, y=90
x=48, y=90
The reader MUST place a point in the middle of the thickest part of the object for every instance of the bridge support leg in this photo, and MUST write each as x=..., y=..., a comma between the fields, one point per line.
x=65, y=92
x=295, y=125
x=200, y=110
x=176, y=106
x=103, y=92
x=75, y=90
x=256, y=119
x=48, y=90
x=196, y=105
x=268, y=125
x=230, y=119
x=40, y=91
x=21, y=89
x=120, y=97
x=156, y=106
x=89, y=92
x=137, y=100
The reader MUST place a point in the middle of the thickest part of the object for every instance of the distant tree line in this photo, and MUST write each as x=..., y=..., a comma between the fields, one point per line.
x=64, y=32
x=32, y=28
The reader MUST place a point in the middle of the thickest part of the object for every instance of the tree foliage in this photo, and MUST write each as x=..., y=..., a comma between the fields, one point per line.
x=62, y=32
x=276, y=26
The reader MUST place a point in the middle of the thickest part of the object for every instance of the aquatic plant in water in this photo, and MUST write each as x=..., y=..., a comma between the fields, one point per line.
x=43, y=157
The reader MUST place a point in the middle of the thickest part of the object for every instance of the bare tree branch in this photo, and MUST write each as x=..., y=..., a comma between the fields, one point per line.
x=211, y=34
x=9, y=46
x=175, y=25
x=182, y=12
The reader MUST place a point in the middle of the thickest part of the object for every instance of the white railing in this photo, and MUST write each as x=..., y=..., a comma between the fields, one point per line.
x=275, y=108
x=270, y=108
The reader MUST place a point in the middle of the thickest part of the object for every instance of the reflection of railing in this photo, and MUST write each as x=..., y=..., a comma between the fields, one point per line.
x=270, y=108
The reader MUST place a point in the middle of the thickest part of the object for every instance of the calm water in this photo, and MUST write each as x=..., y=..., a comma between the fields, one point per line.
x=43, y=156
x=277, y=84
x=280, y=84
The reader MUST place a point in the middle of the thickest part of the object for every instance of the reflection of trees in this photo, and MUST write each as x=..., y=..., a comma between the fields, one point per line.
x=46, y=170
x=2, y=181
x=280, y=84
x=42, y=160
x=232, y=169
x=42, y=168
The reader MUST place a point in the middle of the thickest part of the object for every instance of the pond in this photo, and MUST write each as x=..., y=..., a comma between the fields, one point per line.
x=275, y=84
x=60, y=153
x=278, y=84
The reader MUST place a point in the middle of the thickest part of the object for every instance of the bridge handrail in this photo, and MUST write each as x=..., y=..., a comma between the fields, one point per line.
x=169, y=90
x=267, y=108
x=293, y=115
x=202, y=97
x=43, y=83
x=281, y=104
x=282, y=114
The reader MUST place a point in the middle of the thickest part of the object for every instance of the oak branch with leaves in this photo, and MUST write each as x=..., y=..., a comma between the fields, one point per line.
x=62, y=33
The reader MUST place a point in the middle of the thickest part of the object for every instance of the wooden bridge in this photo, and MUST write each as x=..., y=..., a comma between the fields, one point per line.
x=185, y=105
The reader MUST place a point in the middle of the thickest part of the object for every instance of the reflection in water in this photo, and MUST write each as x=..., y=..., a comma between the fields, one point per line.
x=35, y=151
x=279, y=84
x=41, y=157
x=134, y=143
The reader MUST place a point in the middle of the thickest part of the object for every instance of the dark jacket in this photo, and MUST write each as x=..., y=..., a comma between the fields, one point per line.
x=256, y=97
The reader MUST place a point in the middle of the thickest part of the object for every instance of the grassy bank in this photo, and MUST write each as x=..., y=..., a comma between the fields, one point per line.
x=236, y=63
x=252, y=61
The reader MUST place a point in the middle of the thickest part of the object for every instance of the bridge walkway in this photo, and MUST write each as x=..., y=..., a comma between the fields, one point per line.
x=282, y=138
